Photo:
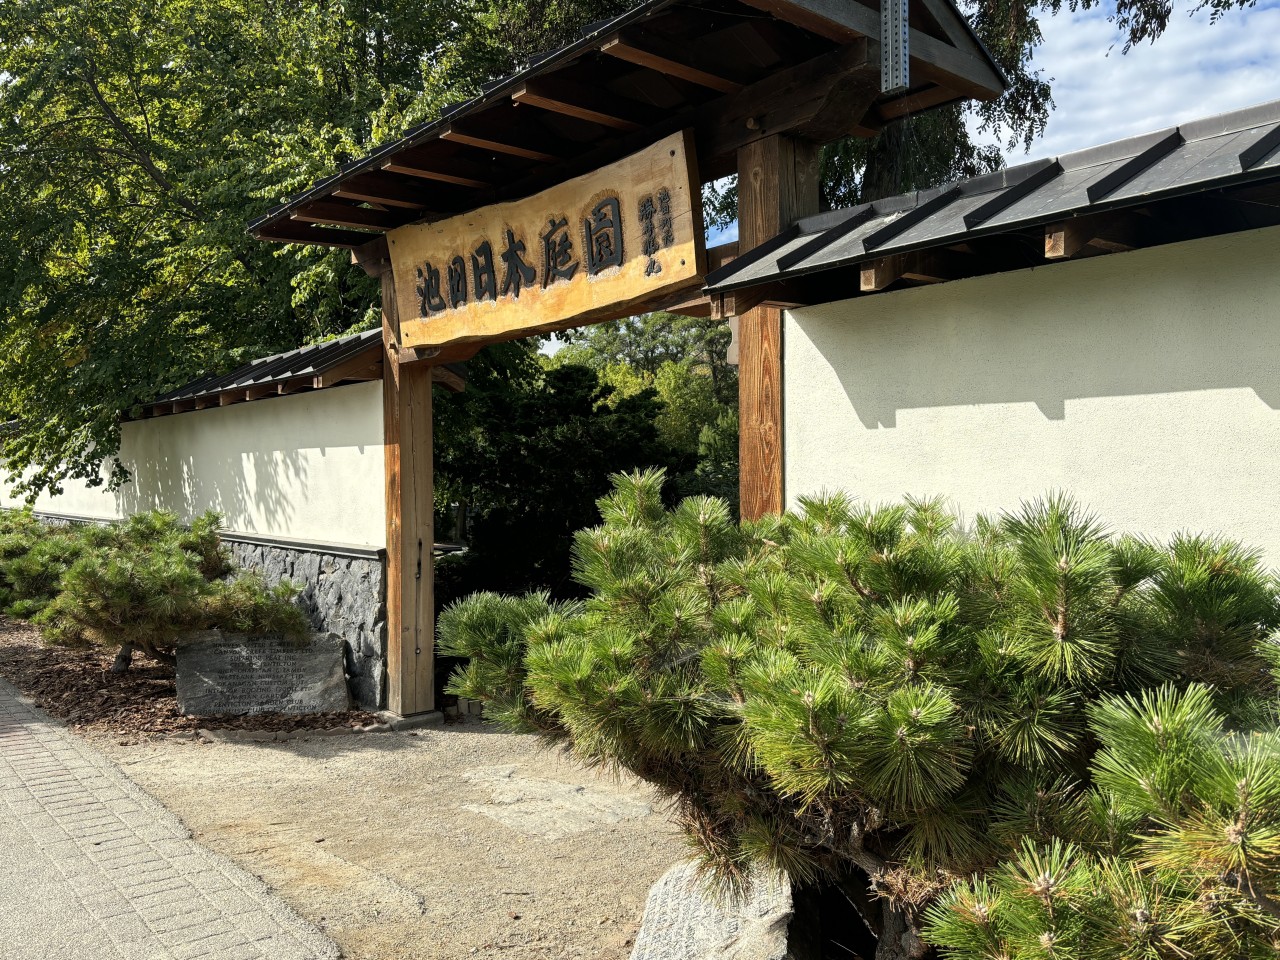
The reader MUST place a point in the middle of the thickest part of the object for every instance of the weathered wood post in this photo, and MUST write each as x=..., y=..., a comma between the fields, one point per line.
x=777, y=184
x=408, y=442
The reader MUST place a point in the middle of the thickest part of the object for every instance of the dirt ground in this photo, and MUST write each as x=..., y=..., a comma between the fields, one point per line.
x=449, y=842
x=438, y=844
x=78, y=687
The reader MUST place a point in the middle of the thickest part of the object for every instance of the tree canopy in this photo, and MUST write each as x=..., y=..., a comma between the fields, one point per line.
x=139, y=136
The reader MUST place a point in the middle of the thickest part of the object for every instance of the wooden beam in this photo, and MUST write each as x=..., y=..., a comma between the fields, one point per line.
x=418, y=163
x=407, y=446
x=559, y=96
x=346, y=215
x=291, y=231
x=510, y=145
x=695, y=303
x=382, y=188
x=203, y=403
x=778, y=183
x=648, y=51
x=822, y=99
x=448, y=379
x=949, y=21
x=923, y=266
x=1108, y=233
x=366, y=365
x=372, y=257
x=721, y=255
x=293, y=386
x=965, y=70
x=916, y=102
x=228, y=398
x=259, y=391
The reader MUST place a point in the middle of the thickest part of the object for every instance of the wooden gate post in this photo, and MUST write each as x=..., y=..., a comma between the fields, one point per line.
x=408, y=439
x=778, y=182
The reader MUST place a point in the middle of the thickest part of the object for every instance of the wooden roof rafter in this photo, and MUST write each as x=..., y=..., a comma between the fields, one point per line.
x=351, y=359
x=627, y=82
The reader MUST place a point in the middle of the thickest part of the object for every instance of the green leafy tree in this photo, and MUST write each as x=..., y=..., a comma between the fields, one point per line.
x=526, y=459
x=1022, y=731
x=648, y=342
x=139, y=136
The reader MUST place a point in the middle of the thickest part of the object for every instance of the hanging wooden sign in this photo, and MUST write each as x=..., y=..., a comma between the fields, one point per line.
x=609, y=243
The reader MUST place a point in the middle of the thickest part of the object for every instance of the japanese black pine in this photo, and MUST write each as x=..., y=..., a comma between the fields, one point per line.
x=1019, y=737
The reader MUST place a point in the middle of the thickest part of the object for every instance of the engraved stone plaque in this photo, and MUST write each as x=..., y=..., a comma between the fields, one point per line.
x=230, y=673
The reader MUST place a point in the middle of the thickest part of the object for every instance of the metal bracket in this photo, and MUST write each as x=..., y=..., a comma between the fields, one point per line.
x=895, y=52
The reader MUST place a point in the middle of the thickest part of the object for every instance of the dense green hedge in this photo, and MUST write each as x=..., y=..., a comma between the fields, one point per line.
x=1019, y=738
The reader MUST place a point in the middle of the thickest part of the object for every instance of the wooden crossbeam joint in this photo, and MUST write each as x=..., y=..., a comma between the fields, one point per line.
x=363, y=366
x=448, y=379
x=1109, y=233
x=922, y=266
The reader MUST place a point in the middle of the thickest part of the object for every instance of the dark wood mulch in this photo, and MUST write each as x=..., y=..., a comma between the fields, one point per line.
x=78, y=687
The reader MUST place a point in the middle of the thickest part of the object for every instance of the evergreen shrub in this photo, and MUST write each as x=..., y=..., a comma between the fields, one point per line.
x=142, y=584
x=1018, y=738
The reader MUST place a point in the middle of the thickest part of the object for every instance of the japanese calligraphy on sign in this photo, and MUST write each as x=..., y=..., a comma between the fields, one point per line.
x=613, y=240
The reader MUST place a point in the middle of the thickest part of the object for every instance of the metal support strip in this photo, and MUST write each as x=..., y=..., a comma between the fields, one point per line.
x=1006, y=198
x=1122, y=174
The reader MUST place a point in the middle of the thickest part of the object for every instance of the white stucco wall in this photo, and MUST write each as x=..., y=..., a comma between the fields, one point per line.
x=303, y=467
x=1147, y=384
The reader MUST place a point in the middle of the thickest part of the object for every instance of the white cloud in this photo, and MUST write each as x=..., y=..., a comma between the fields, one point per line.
x=1196, y=69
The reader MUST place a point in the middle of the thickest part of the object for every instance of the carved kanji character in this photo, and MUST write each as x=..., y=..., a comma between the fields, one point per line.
x=484, y=276
x=518, y=273
x=557, y=252
x=457, y=282
x=650, y=235
x=428, y=290
x=603, y=233
x=665, y=227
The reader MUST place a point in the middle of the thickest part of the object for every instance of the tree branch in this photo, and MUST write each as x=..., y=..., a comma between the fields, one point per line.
x=141, y=155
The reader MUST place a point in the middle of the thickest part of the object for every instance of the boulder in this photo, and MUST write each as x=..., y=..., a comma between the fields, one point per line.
x=685, y=920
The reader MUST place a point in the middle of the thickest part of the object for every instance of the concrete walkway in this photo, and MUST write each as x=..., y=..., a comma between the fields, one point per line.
x=91, y=868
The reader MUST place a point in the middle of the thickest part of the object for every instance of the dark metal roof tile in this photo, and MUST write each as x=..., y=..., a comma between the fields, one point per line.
x=1207, y=154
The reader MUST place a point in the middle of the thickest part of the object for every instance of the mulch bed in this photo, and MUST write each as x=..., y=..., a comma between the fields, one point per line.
x=78, y=687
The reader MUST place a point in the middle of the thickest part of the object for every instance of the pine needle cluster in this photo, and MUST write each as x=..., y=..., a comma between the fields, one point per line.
x=142, y=584
x=1023, y=737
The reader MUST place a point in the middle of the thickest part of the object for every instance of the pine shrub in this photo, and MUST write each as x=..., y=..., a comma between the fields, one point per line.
x=1018, y=738
x=142, y=584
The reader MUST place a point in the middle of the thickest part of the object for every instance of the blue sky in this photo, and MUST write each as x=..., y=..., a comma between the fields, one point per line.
x=1197, y=68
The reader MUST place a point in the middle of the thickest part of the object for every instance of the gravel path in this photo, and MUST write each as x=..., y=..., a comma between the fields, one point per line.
x=93, y=868
x=432, y=845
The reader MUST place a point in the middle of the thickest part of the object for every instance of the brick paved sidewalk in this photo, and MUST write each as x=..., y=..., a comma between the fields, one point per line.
x=91, y=868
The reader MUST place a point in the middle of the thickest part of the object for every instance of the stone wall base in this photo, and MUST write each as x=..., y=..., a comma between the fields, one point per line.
x=343, y=593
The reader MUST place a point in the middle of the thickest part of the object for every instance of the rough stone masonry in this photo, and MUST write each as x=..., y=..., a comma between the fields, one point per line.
x=341, y=593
